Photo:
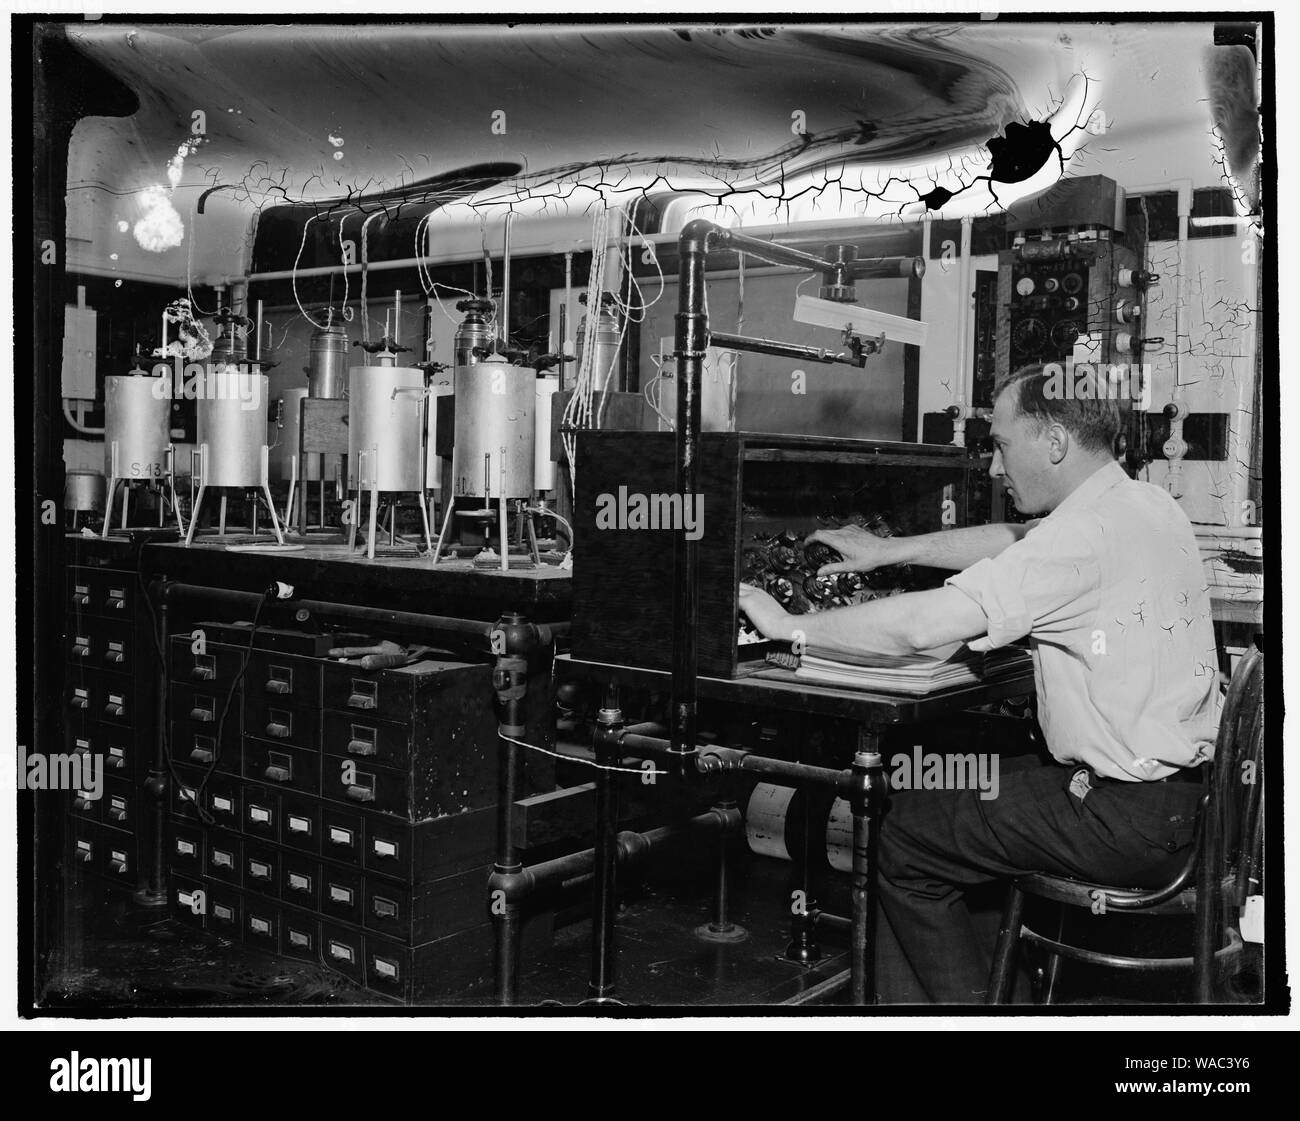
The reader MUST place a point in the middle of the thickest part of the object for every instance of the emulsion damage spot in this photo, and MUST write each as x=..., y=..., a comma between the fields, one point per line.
x=1021, y=154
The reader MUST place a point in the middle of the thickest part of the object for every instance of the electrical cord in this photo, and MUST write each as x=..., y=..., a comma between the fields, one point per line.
x=204, y=814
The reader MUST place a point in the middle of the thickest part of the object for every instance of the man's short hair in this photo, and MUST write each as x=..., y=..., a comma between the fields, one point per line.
x=1093, y=419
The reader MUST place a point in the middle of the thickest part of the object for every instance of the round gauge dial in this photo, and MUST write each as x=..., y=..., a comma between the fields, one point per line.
x=1028, y=335
x=1025, y=286
x=1072, y=282
x=1065, y=333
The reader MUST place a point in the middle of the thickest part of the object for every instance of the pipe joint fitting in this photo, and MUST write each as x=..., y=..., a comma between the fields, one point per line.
x=515, y=886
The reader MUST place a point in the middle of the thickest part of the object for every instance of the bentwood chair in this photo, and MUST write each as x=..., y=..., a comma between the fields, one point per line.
x=1224, y=867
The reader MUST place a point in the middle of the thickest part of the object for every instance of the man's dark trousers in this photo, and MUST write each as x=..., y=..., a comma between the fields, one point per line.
x=934, y=844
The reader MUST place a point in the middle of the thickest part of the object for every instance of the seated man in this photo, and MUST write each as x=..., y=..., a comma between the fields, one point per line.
x=1108, y=588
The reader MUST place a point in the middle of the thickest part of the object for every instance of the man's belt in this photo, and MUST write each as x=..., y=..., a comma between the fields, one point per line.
x=1183, y=774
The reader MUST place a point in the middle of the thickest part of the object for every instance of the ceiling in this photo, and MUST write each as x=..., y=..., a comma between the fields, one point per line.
x=311, y=112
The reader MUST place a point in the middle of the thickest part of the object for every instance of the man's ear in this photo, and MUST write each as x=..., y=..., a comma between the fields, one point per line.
x=1058, y=442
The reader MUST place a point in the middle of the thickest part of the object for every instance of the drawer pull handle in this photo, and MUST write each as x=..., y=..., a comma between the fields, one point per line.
x=300, y=825
x=115, y=655
x=383, y=908
x=83, y=801
x=201, y=755
x=117, y=758
x=340, y=836
x=222, y=804
x=341, y=895
x=83, y=748
x=81, y=597
x=300, y=938
x=361, y=793
x=386, y=970
x=299, y=882
x=115, y=708
x=387, y=849
x=81, y=648
x=202, y=715
x=117, y=862
x=117, y=809
x=222, y=859
x=203, y=673
x=361, y=747
x=342, y=952
x=84, y=852
x=277, y=730
x=184, y=847
x=259, y=815
x=275, y=685
x=365, y=694
x=259, y=926
x=258, y=870
x=277, y=773
x=222, y=912
x=80, y=700
x=116, y=600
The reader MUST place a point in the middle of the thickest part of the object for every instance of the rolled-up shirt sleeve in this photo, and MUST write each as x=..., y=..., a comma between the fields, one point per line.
x=1047, y=582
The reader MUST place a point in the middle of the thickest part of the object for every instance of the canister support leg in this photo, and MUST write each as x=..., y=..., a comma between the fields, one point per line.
x=108, y=506
x=442, y=533
x=374, y=516
x=424, y=521
x=194, y=514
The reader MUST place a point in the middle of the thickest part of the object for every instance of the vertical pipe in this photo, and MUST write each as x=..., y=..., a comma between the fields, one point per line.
x=965, y=295
x=691, y=341
x=257, y=345
x=505, y=284
x=397, y=318
x=609, y=722
x=151, y=888
x=867, y=802
x=803, y=946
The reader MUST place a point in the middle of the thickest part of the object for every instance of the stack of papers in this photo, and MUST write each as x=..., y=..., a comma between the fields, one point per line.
x=912, y=673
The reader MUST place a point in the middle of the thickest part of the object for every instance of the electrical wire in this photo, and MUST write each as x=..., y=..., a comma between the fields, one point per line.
x=205, y=815
x=343, y=261
x=588, y=762
x=365, y=270
x=293, y=278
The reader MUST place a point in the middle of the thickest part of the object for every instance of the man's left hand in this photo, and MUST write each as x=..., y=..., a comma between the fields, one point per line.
x=769, y=617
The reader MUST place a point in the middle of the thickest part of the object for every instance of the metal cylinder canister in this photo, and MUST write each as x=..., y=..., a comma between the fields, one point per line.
x=441, y=390
x=717, y=388
x=495, y=434
x=385, y=411
x=608, y=337
x=137, y=418
x=232, y=426
x=327, y=362
x=83, y=491
x=283, y=441
x=474, y=332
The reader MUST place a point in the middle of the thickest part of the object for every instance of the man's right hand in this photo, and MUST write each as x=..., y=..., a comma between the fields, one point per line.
x=861, y=549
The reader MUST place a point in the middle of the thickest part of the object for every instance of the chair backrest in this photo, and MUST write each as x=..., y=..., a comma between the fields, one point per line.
x=1234, y=831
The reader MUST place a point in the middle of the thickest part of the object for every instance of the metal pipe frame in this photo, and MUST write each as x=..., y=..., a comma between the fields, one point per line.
x=470, y=628
x=782, y=350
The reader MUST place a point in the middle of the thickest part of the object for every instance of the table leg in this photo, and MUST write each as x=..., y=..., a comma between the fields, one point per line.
x=601, y=987
x=804, y=948
x=867, y=800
